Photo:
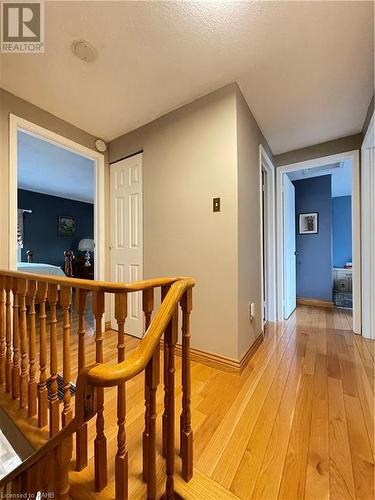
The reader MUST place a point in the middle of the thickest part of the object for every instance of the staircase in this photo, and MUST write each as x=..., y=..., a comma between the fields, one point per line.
x=35, y=312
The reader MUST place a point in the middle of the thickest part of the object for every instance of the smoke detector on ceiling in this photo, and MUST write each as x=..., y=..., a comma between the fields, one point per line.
x=84, y=50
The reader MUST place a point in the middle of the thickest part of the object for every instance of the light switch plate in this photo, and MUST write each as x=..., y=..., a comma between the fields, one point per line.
x=216, y=205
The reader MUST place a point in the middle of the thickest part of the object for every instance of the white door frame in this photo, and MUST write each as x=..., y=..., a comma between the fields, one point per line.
x=15, y=124
x=356, y=227
x=266, y=165
x=368, y=231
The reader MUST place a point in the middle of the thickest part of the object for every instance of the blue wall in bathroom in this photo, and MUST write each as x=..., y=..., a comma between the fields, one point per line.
x=314, y=258
x=342, y=230
x=40, y=227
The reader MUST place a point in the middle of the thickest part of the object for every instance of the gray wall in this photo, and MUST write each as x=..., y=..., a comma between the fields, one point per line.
x=249, y=137
x=189, y=157
x=336, y=146
x=205, y=149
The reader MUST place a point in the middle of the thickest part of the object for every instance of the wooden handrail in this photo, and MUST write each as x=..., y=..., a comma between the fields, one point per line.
x=107, y=375
x=33, y=310
x=95, y=286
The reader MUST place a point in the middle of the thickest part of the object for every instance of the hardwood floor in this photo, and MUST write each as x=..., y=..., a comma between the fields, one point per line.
x=297, y=423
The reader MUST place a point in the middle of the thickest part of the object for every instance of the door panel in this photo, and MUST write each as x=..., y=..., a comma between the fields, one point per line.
x=127, y=235
x=290, y=284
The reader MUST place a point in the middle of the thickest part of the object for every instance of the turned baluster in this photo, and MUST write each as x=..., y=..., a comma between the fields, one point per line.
x=65, y=301
x=31, y=292
x=16, y=344
x=171, y=335
x=186, y=433
x=121, y=461
x=2, y=329
x=152, y=381
x=42, y=386
x=164, y=291
x=148, y=306
x=22, y=289
x=81, y=436
x=8, y=334
x=54, y=400
x=100, y=442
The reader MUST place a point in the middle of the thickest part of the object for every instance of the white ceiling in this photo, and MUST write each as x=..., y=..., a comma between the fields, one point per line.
x=341, y=177
x=305, y=68
x=49, y=169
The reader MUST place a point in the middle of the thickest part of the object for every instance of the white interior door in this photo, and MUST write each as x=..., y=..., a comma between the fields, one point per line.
x=127, y=235
x=290, y=281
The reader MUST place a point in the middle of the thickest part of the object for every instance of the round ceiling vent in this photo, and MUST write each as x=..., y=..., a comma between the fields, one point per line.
x=84, y=50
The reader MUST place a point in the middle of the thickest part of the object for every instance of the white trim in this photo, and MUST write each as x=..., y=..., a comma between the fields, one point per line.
x=356, y=226
x=266, y=165
x=368, y=231
x=16, y=123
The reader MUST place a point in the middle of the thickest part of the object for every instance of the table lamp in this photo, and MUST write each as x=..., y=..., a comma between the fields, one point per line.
x=86, y=245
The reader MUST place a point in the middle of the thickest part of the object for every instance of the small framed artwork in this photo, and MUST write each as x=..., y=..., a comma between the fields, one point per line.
x=66, y=225
x=309, y=223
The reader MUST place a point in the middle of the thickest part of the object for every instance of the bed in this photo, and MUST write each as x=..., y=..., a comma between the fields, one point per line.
x=36, y=268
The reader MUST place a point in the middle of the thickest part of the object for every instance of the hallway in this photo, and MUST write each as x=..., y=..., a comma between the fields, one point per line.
x=299, y=422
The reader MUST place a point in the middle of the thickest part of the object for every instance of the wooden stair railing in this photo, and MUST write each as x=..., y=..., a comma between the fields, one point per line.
x=32, y=310
x=47, y=470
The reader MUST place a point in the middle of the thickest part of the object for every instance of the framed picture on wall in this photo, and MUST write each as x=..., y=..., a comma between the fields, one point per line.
x=66, y=225
x=309, y=223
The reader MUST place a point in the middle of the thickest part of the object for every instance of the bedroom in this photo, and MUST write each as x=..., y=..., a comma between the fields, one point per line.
x=55, y=223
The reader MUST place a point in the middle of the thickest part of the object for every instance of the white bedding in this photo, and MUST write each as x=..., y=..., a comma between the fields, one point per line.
x=35, y=268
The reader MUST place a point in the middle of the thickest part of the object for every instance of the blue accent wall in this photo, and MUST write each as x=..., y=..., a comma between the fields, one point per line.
x=40, y=227
x=342, y=230
x=314, y=258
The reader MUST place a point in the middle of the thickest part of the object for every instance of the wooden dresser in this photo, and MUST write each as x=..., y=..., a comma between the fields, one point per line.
x=342, y=288
x=80, y=270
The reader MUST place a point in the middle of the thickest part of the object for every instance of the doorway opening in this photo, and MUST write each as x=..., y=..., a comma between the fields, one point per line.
x=319, y=235
x=57, y=204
